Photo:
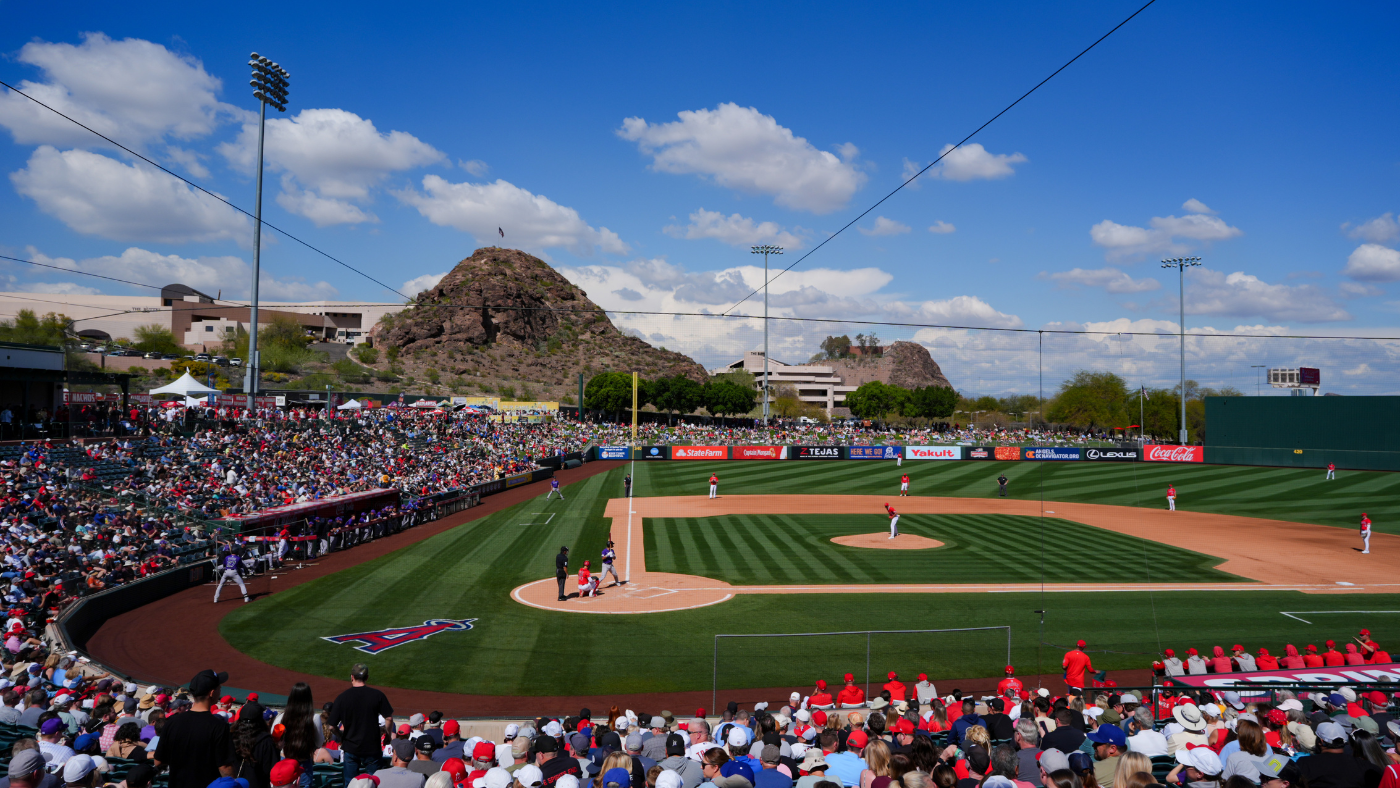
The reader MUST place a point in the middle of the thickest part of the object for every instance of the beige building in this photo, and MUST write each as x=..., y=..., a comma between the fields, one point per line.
x=816, y=384
x=198, y=320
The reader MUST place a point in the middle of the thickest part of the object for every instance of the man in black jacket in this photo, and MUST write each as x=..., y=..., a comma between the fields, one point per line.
x=999, y=726
x=1332, y=767
x=561, y=570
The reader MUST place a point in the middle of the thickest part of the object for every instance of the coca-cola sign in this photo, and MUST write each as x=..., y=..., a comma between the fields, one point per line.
x=1153, y=453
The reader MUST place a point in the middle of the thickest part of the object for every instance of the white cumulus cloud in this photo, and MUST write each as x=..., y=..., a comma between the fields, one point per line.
x=1164, y=234
x=1382, y=229
x=1110, y=279
x=227, y=273
x=97, y=195
x=972, y=162
x=531, y=221
x=1373, y=263
x=338, y=155
x=1358, y=290
x=941, y=227
x=418, y=284
x=133, y=90
x=743, y=149
x=1194, y=205
x=1210, y=292
x=734, y=230
x=885, y=226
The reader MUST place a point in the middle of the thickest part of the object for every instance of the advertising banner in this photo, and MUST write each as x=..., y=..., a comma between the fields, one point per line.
x=1008, y=452
x=1113, y=455
x=699, y=452
x=872, y=452
x=517, y=479
x=933, y=452
x=979, y=452
x=1049, y=453
x=814, y=452
x=613, y=453
x=1154, y=453
x=1357, y=674
x=653, y=453
x=760, y=453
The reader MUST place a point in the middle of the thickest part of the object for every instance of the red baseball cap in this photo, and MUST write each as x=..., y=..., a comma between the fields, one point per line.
x=821, y=683
x=456, y=768
x=404, y=730
x=484, y=751
x=1081, y=644
x=1171, y=653
x=1010, y=669
x=286, y=772
x=857, y=740
x=850, y=677
x=1024, y=694
x=893, y=674
x=1311, y=649
x=451, y=728
x=1192, y=651
x=923, y=677
x=1263, y=652
x=903, y=726
x=1377, y=697
x=1365, y=632
x=1331, y=644
x=819, y=717
x=1237, y=647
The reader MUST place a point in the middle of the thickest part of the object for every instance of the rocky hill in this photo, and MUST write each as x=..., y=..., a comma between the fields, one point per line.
x=906, y=364
x=504, y=318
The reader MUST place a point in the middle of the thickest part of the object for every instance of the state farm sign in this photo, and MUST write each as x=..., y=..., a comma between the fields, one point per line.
x=699, y=452
x=933, y=452
x=1153, y=453
x=759, y=452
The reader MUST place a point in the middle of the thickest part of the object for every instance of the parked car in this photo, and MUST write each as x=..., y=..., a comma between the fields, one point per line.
x=169, y=357
x=221, y=361
x=201, y=357
x=153, y=355
x=235, y=362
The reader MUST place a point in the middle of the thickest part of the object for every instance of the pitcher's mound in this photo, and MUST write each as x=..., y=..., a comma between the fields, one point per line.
x=882, y=541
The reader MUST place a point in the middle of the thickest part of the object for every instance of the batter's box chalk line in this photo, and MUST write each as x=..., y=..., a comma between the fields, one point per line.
x=648, y=592
x=1295, y=614
x=546, y=520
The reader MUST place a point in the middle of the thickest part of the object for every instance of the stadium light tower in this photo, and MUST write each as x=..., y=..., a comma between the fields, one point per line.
x=269, y=82
x=766, y=250
x=1181, y=264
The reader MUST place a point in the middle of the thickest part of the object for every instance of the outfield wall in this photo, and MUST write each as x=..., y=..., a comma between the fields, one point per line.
x=1360, y=433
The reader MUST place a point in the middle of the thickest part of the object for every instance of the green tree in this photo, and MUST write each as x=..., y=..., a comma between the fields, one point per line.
x=833, y=348
x=677, y=394
x=785, y=402
x=155, y=338
x=874, y=400
x=610, y=392
x=367, y=354
x=350, y=372
x=722, y=396
x=1090, y=399
x=931, y=402
x=30, y=329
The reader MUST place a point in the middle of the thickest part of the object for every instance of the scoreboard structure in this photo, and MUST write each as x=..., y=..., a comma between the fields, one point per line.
x=1299, y=379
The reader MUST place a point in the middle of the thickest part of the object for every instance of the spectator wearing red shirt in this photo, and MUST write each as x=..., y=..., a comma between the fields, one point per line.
x=851, y=695
x=821, y=698
x=1333, y=658
x=1076, y=664
x=1311, y=659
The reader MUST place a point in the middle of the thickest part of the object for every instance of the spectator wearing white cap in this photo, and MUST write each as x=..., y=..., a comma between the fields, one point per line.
x=80, y=772
x=504, y=753
x=530, y=776
x=1197, y=767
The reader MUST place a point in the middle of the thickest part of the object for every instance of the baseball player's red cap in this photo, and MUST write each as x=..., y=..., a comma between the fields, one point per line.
x=893, y=675
x=849, y=677
x=1263, y=652
x=1311, y=649
x=1081, y=644
x=1192, y=652
x=819, y=717
x=821, y=683
x=1010, y=669
x=1365, y=632
x=923, y=677
x=1171, y=653
x=1331, y=644
x=484, y=751
x=1237, y=647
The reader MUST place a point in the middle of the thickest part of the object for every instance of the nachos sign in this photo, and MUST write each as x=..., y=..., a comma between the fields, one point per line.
x=385, y=639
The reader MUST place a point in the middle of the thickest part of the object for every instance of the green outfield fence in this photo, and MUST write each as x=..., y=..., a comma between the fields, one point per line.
x=830, y=654
x=1361, y=433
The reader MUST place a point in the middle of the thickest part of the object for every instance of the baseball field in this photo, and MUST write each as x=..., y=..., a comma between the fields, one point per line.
x=801, y=547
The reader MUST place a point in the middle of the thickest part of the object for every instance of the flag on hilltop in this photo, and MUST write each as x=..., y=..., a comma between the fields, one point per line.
x=502, y=232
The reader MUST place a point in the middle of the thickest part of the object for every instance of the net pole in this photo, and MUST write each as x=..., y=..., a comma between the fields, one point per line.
x=714, y=688
x=867, y=667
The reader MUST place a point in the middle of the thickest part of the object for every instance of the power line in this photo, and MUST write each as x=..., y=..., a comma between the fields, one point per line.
x=73, y=271
x=943, y=154
x=194, y=185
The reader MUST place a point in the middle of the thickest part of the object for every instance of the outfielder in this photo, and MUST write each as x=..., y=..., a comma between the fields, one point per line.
x=1171, y=498
x=904, y=485
x=232, y=565
x=610, y=555
x=894, y=520
x=899, y=457
x=554, y=488
x=1331, y=471
x=1365, y=534
x=714, y=486
x=587, y=583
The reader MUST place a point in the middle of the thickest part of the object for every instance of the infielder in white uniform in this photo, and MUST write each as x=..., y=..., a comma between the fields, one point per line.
x=609, y=555
x=1171, y=498
x=1365, y=533
x=232, y=566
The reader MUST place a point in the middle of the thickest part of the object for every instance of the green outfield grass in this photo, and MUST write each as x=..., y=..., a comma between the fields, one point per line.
x=1297, y=494
x=796, y=549
x=469, y=572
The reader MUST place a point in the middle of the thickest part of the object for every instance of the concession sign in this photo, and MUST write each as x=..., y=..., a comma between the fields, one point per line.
x=699, y=452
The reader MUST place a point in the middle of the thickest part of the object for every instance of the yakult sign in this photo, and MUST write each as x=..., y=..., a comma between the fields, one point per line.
x=933, y=452
x=1154, y=453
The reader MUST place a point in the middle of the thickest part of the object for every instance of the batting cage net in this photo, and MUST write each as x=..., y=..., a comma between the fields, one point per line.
x=798, y=659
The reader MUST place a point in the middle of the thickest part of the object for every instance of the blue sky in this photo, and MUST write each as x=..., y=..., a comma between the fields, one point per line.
x=642, y=149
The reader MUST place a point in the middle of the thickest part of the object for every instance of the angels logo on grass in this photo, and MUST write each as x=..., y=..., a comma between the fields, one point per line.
x=384, y=639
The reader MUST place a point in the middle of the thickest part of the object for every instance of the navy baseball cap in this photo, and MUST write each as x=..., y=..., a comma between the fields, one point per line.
x=1109, y=734
x=731, y=768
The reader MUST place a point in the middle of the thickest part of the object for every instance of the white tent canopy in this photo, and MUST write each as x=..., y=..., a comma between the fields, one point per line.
x=185, y=386
x=353, y=404
x=424, y=403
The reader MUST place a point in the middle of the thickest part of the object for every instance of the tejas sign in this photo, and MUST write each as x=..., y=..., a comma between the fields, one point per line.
x=933, y=452
x=1156, y=453
x=872, y=452
x=612, y=452
x=699, y=452
x=385, y=639
x=760, y=452
x=815, y=453
x=1050, y=453
x=1113, y=455
x=1358, y=674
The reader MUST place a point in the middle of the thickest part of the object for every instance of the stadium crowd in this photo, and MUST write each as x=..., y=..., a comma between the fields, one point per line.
x=89, y=732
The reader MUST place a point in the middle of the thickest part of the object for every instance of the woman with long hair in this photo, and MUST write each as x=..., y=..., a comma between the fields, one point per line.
x=937, y=721
x=1130, y=763
x=922, y=755
x=711, y=761
x=615, y=760
x=254, y=750
x=976, y=734
x=1366, y=747
x=944, y=776
x=877, y=762
x=126, y=744
x=302, y=738
x=1064, y=778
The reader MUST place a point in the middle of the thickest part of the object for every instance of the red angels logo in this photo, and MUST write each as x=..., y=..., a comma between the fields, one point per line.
x=384, y=639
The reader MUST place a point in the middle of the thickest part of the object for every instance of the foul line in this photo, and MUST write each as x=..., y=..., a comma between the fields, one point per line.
x=1290, y=613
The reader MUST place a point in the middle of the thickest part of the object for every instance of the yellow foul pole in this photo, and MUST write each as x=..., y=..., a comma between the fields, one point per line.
x=634, y=409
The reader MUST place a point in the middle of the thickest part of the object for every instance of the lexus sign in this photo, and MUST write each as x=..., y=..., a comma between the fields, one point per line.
x=1113, y=455
x=1155, y=453
x=933, y=452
